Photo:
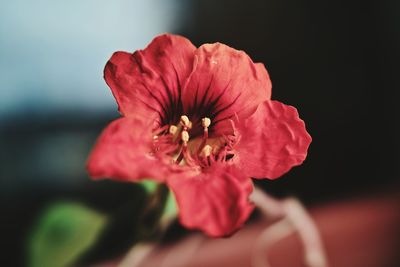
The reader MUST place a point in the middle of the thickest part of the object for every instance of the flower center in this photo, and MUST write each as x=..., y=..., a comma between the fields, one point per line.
x=176, y=142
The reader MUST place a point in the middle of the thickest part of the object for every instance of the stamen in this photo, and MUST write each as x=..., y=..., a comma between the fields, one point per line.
x=185, y=140
x=173, y=129
x=176, y=135
x=186, y=122
x=206, y=151
x=185, y=137
x=205, y=122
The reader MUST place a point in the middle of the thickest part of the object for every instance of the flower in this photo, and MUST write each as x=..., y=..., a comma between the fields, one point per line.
x=202, y=121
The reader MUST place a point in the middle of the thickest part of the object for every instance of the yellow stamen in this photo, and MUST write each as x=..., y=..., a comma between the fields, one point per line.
x=185, y=121
x=206, y=151
x=173, y=129
x=185, y=137
x=206, y=122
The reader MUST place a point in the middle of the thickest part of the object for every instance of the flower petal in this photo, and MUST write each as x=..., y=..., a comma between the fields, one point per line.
x=122, y=152
x=273, y=140
x=150, y=80
x=215, y=201
x=225, y=82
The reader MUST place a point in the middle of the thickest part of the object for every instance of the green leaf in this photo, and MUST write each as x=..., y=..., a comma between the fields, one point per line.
x=63, y=233
x=149, y=186
x=170, y=209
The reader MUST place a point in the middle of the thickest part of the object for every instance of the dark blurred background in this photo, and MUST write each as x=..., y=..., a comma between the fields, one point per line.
x=336, y=61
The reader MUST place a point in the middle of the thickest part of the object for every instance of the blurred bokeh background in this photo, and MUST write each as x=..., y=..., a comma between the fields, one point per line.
x=336, y=61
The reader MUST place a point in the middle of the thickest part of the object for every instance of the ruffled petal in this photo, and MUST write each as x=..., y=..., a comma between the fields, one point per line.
x=215, y=201
x=123, y=152
x=150, y=80
x=272, y=141
x=224, y=83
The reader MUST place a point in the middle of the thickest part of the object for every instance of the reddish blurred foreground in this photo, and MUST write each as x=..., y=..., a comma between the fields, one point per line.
x=357, y=233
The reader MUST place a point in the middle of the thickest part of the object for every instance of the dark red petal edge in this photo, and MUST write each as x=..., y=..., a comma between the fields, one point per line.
x=215, y=201
x=272, y=141
x=122, y=153
x=149, y=81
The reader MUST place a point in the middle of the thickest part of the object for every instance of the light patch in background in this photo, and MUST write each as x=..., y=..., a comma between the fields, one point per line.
x=52, y=53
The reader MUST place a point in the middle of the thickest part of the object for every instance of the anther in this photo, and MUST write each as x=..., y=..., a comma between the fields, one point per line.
x=206, y=151
x=185, y=140
x=185, y=137
x=205, y=122
x=173, y=129
x=185, y=122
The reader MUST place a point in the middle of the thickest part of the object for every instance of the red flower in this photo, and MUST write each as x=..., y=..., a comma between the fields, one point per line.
x=201, y=120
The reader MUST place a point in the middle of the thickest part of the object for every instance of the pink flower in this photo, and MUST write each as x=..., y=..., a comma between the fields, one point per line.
x=200, y=120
